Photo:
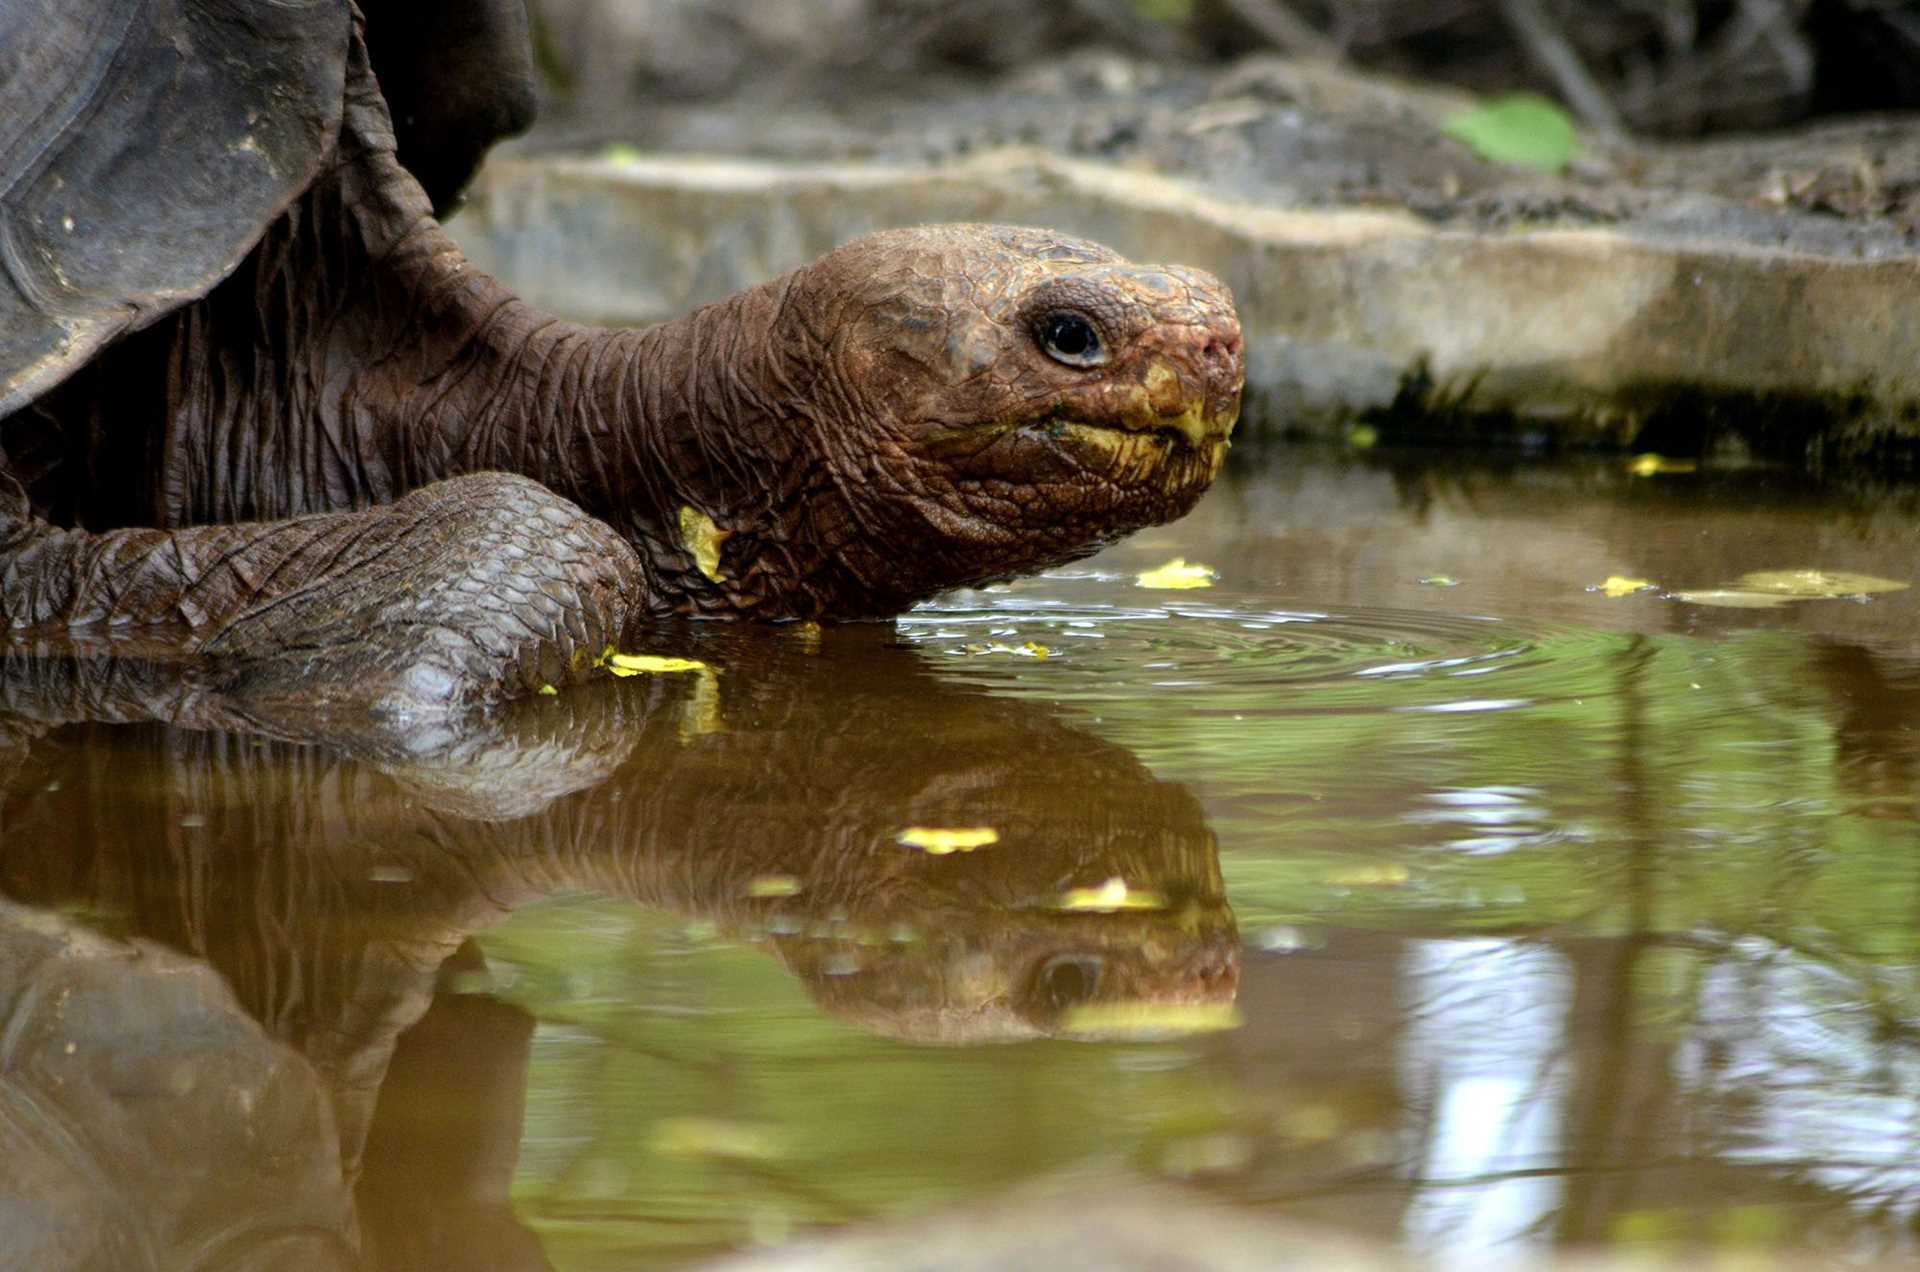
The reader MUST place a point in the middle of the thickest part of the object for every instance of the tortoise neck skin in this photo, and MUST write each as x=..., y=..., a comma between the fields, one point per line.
x=680, y=436
x=357, y=356
x=895, y=419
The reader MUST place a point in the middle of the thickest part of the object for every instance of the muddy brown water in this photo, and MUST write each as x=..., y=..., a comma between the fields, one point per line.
x=1395, y=882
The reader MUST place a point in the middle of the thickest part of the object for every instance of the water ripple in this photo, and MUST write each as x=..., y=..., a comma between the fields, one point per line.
x=1235, y=658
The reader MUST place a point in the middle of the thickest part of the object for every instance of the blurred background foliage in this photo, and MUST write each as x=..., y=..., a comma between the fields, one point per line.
x=1654, y=67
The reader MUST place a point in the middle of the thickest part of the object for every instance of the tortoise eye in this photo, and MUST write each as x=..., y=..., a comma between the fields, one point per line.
x=1068, y=337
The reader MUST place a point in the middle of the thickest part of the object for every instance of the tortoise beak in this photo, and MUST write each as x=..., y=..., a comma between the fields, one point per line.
x=1191, y=382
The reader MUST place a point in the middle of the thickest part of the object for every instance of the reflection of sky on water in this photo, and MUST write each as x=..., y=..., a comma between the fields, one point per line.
x=1785, y=1069
x=1507, y=817
x=1788, y=1048
x=1484, y=1054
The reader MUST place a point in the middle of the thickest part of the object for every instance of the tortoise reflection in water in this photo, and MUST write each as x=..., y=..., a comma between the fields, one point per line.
x=357, y=474
x=329, y=879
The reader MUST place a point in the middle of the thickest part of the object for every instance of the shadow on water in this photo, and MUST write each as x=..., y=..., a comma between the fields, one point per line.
x=1547, y=919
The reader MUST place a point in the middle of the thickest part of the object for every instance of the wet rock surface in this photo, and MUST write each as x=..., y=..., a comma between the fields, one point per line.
x=146, y=1121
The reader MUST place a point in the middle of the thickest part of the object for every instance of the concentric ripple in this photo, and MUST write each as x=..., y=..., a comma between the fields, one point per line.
x=1334, y=724
x=1269, y=661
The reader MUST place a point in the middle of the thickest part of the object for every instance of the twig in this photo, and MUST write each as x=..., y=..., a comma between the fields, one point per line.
x=1557, y=57
x=1273, y=19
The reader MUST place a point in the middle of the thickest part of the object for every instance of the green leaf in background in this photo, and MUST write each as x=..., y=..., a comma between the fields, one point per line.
x=1164, y=10
x=1523, y=129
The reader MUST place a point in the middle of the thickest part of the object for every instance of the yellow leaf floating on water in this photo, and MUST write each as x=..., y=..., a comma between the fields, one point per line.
x=1150, y=1020
x=773, y=885
x=1031, y=649
x=712, y=1137
x=548, y=690
x=1110, y=897
x=645, y=664
x=1370, y=876
x=1177, y=575
x=1654, y=465
x=1733, y=598
x=1438, y=580
x=1617, y=586
x=1770, y=589
x=1818, y=584
x=939, y=841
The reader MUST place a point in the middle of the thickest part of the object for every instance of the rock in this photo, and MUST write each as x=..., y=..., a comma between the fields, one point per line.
x=147, y=1122
x=1763, y=289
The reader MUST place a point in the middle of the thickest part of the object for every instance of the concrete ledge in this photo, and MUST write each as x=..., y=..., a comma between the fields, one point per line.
x=1592, y=330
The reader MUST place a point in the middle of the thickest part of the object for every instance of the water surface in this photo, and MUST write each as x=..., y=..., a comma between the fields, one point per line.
x=1396, y=881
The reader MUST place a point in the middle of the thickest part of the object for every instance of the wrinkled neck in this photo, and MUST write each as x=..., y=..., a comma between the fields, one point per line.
x=636, y=426
x=358, y=356
x=699, y=423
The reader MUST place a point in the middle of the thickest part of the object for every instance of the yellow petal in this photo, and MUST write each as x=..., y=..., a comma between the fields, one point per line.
x=1618, y=586
x=1733, y=598
x=645, y=664
x=1817, y=583
x=941, y=841
x=1370, y=876
x=712, y=1137
x=1176, y=575
x=1031, y=649
x=702, y=539
x=773, y=885
x=1653, y=465
x=1111, y=896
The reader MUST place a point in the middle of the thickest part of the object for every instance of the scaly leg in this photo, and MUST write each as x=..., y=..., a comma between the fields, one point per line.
x=467, y=590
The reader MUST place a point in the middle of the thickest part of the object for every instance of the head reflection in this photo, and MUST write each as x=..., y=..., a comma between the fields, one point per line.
x=328, y=874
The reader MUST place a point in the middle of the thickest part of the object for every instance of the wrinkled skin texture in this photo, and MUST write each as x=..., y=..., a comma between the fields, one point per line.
x=359, y=475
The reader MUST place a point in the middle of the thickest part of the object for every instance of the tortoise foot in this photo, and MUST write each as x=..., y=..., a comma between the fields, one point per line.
x=469, y=590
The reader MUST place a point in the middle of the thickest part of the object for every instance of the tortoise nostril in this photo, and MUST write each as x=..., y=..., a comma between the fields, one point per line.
x=1220, y=348
x=1220, y=359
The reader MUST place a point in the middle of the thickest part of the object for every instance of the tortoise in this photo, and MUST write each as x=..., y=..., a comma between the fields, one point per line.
x=258, y=413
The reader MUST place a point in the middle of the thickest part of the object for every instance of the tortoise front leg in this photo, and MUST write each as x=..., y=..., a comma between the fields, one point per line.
x=468, y=590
